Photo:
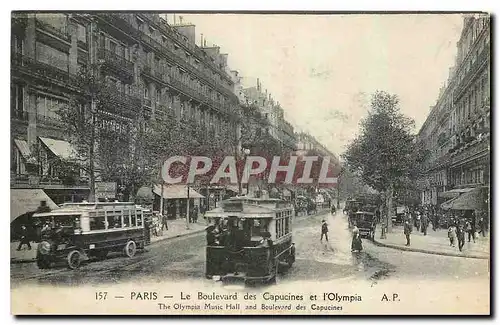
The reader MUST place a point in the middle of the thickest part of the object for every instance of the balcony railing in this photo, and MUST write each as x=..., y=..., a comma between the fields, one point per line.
x=42, y=69
x=156, y=20
x=121, y=103
x=483, y=57
x=118, y=63
x=470, y=151
x=62, y=32
x=49, y=121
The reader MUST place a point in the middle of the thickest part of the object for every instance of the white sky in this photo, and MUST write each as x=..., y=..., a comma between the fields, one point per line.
x=318, y=67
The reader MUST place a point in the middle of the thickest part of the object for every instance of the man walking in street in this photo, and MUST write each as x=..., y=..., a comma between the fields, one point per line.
x=407, y=231
x=470, y=231
x=164, y=222
x=24, y=238
x=460, y=236
x=425, y=223
x=324, y=230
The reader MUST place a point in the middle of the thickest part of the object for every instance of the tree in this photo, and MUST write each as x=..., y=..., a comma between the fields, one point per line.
x=384, y=152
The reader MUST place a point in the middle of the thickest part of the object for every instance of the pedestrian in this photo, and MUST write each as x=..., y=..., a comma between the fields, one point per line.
x=164, y=222
x=418, y=221
x=356, y=243
x=482, y=226
x=452, y=234
x=24, y=238
x=461, y=237
x=195, y=214
x=470, y=231
x=407, y=231
x=425, y=223
x=324, y=230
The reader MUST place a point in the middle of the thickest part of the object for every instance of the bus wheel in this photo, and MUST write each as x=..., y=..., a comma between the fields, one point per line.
x=130, y=248
x=74, y=259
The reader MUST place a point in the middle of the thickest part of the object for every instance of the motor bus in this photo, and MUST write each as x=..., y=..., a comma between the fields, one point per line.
x=249, y=239
x=76, y=232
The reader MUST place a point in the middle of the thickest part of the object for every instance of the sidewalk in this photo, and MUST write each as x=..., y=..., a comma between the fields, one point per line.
x=436, y=242
x=176, y=228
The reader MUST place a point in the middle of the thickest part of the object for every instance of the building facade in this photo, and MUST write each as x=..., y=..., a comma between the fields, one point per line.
x=456, y=133
x=152, y=70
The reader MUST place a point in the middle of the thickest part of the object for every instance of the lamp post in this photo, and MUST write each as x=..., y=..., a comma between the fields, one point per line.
x=246, y=152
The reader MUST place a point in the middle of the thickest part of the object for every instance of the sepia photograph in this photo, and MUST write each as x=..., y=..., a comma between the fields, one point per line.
x=244, y=163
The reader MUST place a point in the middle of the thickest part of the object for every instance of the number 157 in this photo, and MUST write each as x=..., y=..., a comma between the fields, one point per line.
x=101, y=295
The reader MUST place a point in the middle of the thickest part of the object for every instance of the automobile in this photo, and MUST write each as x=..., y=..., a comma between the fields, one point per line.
x=249, y=239
x=366, y=223
x=76, y=232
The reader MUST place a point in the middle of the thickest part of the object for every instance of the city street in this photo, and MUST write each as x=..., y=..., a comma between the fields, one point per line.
x=183, y=259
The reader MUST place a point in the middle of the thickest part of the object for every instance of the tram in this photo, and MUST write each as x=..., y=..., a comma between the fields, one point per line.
x=76, y=232
x=249, y=239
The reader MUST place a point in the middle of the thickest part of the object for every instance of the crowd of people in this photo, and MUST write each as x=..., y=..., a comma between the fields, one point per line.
x=459, y=224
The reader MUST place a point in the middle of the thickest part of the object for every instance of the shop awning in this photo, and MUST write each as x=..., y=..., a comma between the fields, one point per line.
x=470, y=200
x=27, y=200
x=25, y=151
x=60, y=148
x=455, y=192
x=177, y=192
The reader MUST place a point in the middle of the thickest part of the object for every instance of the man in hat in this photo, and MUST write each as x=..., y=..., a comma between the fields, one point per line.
x=24, y=238
x=324, y=230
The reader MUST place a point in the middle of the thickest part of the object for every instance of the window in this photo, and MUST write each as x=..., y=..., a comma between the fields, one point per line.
x=146, y=91
x=139, y=220
x=81, y=33
x=158, y=95
x=51, y=56
x=133, y=218
x=17, y=44
x=17, y=99
x=114, y=222
x=112, y=47
x=97, y=223
x=48, y=106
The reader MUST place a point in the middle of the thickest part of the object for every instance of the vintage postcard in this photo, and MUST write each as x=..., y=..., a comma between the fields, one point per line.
x=250, y=164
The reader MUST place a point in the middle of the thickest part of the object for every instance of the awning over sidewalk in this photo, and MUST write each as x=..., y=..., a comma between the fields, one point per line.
x=60, y=148
x=177, y=192
x=25, y=151
x=27, y=200
x=455, y=192
x=470, y=200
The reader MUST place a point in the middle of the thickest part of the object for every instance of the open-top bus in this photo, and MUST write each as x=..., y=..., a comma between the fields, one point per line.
x=78, y=231
x=249, y=239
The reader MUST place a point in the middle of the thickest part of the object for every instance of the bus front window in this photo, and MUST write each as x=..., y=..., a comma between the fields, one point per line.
x=259, y=228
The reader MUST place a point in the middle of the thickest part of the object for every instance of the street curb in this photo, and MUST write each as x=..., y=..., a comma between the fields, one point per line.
x=425, y=251
x=178, y=236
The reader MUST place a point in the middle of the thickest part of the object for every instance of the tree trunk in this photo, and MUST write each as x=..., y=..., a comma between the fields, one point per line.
x=390, y=194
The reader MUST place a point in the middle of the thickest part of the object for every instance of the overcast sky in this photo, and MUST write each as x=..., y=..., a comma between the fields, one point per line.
x=322, y=69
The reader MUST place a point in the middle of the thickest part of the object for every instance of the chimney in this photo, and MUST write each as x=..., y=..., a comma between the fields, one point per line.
x=174, y=19
x=258, y=84
x=180, y=20
x=201, y=43
x=204, y=43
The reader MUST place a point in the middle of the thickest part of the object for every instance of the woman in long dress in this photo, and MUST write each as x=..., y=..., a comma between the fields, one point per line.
x=356, y=244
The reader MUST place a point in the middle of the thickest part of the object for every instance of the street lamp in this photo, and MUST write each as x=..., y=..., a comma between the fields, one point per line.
x=246, y=152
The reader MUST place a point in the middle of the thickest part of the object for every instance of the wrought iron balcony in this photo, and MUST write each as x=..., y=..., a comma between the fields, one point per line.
x=483, y=58
x=49, y=121
x=120, y=103
x=117, y=63
x=61, y=33
x=470, y=151
x=43, y=70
